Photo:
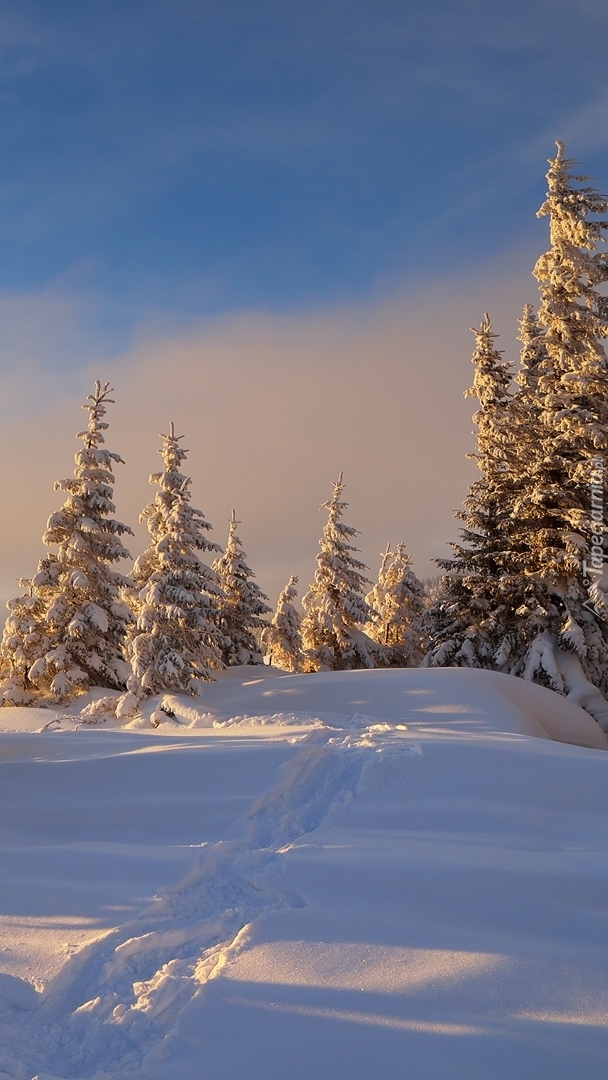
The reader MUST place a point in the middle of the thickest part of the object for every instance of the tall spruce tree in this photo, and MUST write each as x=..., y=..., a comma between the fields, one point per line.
x=242, y=603
x=469, y=624
x=66, y=632
x=335, y=608
x=549, y=566
x=175, y=643
x=398, y=599
x=566, y=477
x=282, y=640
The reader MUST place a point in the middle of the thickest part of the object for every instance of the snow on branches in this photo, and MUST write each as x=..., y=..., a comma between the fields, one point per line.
x=66, y=632
x=398, y=599
x=519, y=595
x=282, y=640
x=335, y=608
x=563, y=460
x=242, y=603
x=175, y=642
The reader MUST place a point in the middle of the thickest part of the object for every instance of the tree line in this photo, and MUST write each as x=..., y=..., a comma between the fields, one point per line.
x=175, y=620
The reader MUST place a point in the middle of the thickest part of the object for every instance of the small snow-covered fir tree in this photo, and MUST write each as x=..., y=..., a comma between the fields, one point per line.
x=335, y=608
x=242, y=603
x=468, y=625
x=398, y=598
x=282, y=640
x=66, y=632
x=175, y=643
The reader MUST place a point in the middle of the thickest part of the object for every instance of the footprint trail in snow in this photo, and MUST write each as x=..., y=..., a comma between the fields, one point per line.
x=114, y=1006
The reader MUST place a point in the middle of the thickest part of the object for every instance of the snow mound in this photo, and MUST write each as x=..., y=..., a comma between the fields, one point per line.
x=18, y=993
x=27, y=718
x=458, y=700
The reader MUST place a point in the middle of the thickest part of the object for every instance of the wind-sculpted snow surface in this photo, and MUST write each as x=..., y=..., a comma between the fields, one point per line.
x=369, y=896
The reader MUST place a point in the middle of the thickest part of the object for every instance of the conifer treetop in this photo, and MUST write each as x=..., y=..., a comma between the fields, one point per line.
x=243, y=604
x=281, y=639
x=339, y=579
x=334, y=606
x=236, y=575
x=93, y=435
x=494, y=421
x=568, y=208
x=83, y=528
x=573, y=313
x=337, y=569
x=234, y=571
x=492, y=374
x=170, y=515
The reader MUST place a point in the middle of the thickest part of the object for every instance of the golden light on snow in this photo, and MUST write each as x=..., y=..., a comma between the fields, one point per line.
x=345, y=965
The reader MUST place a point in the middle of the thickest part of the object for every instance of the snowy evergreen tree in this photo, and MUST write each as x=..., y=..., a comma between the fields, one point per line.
x=398, y=599
x=489, y=619
x=282, y=640
x=335, y=608
x=566, y=477
x=67, y=631
x=469, y=624
x=538, y=615
x=175, y=643
x=242, y=603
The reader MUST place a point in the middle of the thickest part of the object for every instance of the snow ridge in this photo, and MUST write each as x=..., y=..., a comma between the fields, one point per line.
x=113, y=1008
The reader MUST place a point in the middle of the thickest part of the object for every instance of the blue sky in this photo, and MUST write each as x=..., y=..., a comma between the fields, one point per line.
x=196, y=157
x=273, y=222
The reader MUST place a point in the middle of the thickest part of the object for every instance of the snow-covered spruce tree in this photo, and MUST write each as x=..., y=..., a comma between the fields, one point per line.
x=67, y=631
x=335, y=608
x=567, y=479
x=398, y=599
x=175, y=642
x=242, y=603
x=282, y=641
x=470, y=623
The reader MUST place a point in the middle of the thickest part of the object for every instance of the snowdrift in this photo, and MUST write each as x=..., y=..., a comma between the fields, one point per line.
x=441, y=699
x=350, y=875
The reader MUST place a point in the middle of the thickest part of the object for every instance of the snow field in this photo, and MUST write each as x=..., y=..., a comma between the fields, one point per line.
x=352, y=875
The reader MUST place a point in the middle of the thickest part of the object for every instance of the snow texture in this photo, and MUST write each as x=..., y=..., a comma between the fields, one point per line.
x=396, y=866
